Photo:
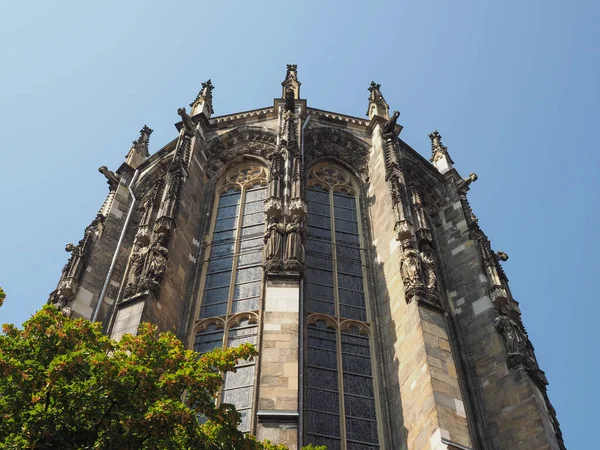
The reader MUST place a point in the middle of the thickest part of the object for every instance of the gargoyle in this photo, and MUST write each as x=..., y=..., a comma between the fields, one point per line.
x=111, y=177
x=187, y=120
x=391, y=123
x=463, y=186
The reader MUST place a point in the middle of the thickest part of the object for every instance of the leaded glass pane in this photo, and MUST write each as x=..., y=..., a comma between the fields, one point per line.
x=358, y=385
x=317, y=220
x=314, y=195
x=361, y=430
x=324, y=267
x=217, y=264
x=218, y=309
x=345, y=201
x=248, y=259
x=226, y=235
x=222, y=249
x=319, y=262
x=346, y=226
x=319, y=246
x=246, y=290
x=218, y=279
x=254, y=219
x=351, y=282
x=359, y=407
x=320, y=276
x=227, y=211
x=249, y=244
x=319, y=233
x=208, y=339
x=225, y=224
x=322, y=400
x=229, y=199
x=255, y=194
x=323, y=423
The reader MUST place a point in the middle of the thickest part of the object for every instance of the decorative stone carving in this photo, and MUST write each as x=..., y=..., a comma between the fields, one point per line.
x=73, y=271
x=273, y=238
x=428, y=268
x=156, y=264
x=111, y=177
x=188, y=125
x=136, y=268
x=390, y=125
x=501, y=256
x=410, y=269
x=297, y=207
x=517, y=342
x=404, y=230
x=338, y=144
x=273, y=207
x=438, y=150
x=377, y=104
x=294, y=249
x=463, y=186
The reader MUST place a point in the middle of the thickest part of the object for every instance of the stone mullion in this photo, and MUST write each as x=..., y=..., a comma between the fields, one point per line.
x=236, y=250
x=334, y=264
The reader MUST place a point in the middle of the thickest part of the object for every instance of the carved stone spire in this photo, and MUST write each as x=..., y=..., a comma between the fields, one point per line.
x=203, y=102
x=139, y=149
x=439, y=153
x=291, y=83
x=377, y=104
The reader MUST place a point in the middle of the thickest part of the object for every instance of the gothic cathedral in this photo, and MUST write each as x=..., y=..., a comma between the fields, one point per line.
x=383, y=317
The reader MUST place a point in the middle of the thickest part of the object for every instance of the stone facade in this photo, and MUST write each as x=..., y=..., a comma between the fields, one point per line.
x=383, y=317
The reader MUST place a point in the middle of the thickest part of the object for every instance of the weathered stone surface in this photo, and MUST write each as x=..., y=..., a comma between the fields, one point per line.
x=444, y=375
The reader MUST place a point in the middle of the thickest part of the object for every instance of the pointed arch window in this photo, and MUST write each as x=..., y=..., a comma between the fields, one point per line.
x=233, y=272
x=238, y=387
x=340, y=409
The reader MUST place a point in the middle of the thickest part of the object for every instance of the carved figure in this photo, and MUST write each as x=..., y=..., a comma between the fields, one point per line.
x=158, y=255
x=463, y=186
x=294, y=250
x=410, y=266
x=391, y=123
x=136, y=266
x=62, y=306
x=273, y=238
x=517, y=342
x=428, y=267
x=187, y=120
x=111, y=177
x=501, y=256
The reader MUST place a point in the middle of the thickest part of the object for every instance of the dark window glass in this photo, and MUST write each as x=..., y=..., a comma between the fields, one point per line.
x=330, y=278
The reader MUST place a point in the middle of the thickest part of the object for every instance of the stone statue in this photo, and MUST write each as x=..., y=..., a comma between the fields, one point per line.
x=187, y=120
x=501, y=256
x=136, y=266
x=410, y=266
x=111, y=177
x=428, y=267
x=463, y=186
x=517, y=342
x=157, y=260
x=273, y=238
x=294, y=249
x=391, y=123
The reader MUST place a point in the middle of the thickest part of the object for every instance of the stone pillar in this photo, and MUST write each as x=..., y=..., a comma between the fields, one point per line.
x=423, y=389
x=278, y=388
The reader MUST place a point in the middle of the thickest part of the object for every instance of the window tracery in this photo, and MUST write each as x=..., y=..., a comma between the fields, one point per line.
x=340, y=399
x=232, y=281
x=238, y=386
x=233, y=267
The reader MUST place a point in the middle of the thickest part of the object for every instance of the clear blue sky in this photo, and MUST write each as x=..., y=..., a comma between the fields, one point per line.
x=512, y=86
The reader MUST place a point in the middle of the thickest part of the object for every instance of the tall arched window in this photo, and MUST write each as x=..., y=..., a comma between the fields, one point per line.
x=233, y=270
x=231, y=287
x=340, y=407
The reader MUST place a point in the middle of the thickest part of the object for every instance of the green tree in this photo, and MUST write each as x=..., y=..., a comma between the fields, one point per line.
x=63, y=384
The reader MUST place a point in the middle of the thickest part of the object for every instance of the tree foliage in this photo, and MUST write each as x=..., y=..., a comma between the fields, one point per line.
x=63, y=384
